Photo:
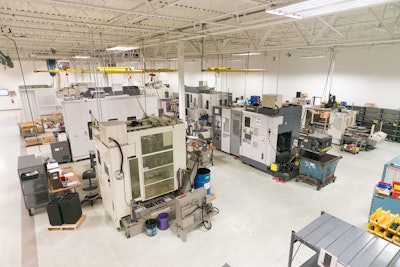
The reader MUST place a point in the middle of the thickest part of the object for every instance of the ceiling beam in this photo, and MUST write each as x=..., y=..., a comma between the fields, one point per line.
x=328, y=25
x=265, y=37
x=331, y=27
x=300, y=33
x=382, y=23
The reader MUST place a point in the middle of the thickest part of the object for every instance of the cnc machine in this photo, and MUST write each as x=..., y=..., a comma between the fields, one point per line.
x=138, y=163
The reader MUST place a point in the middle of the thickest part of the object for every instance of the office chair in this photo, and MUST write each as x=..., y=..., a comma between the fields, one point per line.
x=89, y=175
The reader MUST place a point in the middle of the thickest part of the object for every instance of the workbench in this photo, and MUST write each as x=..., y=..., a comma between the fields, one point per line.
x=71, y=180
x=344, y=243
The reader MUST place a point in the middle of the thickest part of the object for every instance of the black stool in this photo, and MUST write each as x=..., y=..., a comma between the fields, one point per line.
x=89, y=175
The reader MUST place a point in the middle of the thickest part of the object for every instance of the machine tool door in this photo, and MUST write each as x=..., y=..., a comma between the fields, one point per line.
x=226, y=130
x=236, y=132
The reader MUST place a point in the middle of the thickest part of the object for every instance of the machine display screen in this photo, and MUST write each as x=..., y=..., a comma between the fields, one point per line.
x=247, y=121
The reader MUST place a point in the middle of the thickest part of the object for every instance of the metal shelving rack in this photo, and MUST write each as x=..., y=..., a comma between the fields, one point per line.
x=349, y=245
x=390, y=119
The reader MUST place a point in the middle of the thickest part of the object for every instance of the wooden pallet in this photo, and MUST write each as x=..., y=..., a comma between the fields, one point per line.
x=68, y=227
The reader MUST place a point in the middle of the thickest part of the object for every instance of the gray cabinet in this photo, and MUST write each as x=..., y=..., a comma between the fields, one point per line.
x=33, y=179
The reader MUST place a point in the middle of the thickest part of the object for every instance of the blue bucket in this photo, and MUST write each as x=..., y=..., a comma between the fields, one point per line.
x=151, y=225
x=203, y=179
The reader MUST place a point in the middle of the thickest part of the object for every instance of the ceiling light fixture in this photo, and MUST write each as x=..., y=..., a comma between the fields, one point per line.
x=317, y=56
x=309, y=8
x=247, y=54
x=122, y=48
x=81, y=57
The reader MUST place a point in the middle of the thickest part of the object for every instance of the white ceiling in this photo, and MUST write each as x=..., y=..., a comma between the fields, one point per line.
x=64, y=28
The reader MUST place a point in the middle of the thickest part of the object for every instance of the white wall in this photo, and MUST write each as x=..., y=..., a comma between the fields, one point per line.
x=362, y=75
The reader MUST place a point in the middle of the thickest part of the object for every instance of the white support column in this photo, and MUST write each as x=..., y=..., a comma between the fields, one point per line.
x=181, y=87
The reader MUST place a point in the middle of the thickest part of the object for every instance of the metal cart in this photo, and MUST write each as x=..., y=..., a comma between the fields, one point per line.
x=33, y=179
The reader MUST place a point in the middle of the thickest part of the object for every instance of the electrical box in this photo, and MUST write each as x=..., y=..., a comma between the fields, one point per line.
x=271, y=101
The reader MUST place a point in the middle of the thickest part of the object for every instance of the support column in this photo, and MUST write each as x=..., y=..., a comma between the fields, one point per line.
x=181, y=86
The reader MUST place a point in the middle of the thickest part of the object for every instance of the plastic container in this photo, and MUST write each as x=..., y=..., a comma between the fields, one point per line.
x=377, y=215
x=203, y=179
x=388, y=236
x=396, y=190
x=396, y=240
x=385, y=221
x=254, y=99
x=151, y=227
x=379, y=231
x=371, y=227
x=162, y=221
x=395, y=225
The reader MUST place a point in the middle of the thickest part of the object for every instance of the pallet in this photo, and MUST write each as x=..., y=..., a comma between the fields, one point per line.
x=68, y=227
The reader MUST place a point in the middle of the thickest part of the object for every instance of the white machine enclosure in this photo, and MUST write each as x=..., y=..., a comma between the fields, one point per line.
x=338, y=122
x=208, y=102
x=226, y=130
x=151, y=160
x=77, y=117
x=259, y=139
x=198, y=104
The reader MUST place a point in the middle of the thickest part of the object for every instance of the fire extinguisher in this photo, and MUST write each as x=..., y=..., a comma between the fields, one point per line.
x=12, y=100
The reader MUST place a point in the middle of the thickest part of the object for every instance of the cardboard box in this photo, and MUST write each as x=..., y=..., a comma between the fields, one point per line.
x=26, y=124
x=370, y=105
x=33, y=141
x=48, y=139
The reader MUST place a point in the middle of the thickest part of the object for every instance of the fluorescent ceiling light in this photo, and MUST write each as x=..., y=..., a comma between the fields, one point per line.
x=247, y=54
x=309, y=8
x=317, y=56
x=122, y=48
x=81, y=57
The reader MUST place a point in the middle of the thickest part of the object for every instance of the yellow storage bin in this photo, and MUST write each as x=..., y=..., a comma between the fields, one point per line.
x=385, y=221
x=377, y=215
x=389, y=236
x=394, y=226
x=379, y=231
x=371, y=227
x=396, y=240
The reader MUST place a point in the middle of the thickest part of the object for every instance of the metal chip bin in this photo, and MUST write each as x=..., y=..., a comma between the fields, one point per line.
x=318, y=171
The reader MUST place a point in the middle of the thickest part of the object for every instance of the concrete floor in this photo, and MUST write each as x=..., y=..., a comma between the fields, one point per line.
x=257, y=215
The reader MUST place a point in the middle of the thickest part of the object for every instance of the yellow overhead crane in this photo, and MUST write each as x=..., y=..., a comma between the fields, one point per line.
x=109, y=70
x=59, y=71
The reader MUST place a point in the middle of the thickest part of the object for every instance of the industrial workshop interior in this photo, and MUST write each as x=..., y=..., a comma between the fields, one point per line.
x=226, y=133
